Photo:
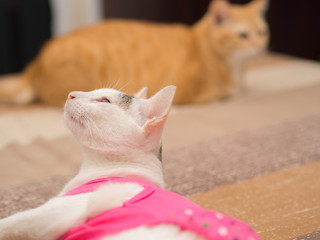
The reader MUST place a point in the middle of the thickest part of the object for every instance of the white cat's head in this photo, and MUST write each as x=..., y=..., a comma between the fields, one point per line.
x=110, y=121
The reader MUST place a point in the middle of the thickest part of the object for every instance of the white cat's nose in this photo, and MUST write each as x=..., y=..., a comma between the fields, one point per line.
x=71, y=95
x=75, y=94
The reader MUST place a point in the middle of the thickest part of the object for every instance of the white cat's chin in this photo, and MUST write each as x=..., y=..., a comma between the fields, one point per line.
x=74, y=121
x=72, y=117
x=74, y=125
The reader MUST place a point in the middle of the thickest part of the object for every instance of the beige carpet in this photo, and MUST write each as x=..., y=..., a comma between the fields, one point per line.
x=254, y=156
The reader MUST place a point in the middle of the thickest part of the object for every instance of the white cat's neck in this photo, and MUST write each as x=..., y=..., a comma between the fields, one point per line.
x=95, y=165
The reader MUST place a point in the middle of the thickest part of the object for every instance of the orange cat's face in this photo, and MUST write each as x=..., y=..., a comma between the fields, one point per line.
x=239, y=32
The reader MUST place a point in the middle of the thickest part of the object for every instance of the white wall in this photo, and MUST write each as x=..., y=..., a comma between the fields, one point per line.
x=71, y=14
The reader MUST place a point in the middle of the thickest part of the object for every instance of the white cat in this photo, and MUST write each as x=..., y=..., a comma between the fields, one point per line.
x=118, y=193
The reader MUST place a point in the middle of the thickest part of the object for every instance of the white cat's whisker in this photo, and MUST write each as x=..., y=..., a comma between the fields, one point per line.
x=117, y=84
x=125, y=85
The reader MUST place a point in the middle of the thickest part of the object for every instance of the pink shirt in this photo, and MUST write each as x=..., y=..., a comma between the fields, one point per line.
x=153, y=206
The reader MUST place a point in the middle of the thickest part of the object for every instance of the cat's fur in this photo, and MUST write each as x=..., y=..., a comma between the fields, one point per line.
x=204, y=61
x=120, y=138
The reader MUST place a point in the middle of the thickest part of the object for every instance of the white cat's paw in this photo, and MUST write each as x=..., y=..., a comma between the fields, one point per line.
x=111, y=196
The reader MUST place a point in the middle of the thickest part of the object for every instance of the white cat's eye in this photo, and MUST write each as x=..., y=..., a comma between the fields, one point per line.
x=104, y=100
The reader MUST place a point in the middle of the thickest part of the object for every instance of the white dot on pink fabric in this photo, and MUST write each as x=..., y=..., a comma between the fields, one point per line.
x=219, y=215
x=222, y=231
x=188, y=212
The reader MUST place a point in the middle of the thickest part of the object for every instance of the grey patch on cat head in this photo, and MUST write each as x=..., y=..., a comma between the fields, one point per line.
x=159, y=153
x=125, y=100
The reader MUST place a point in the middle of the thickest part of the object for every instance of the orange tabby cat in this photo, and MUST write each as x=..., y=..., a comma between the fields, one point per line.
x=204, y=61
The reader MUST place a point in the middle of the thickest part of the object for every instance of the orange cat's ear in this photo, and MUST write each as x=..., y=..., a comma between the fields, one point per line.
x=259, y=6
x=219, y=11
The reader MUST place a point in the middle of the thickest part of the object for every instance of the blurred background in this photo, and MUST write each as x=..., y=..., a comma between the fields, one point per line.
x=26, y=25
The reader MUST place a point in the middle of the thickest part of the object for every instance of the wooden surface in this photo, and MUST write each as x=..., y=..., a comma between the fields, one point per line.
x=281, y=205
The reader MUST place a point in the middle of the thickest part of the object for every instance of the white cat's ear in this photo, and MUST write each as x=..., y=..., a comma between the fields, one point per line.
x=155, y=111
x=142, y=93
x=219, y=11
x=259, y=6
x=159, y=104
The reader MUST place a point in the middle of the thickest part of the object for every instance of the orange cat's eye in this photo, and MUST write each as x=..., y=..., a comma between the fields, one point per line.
x=243, y=35
x=104, y=100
